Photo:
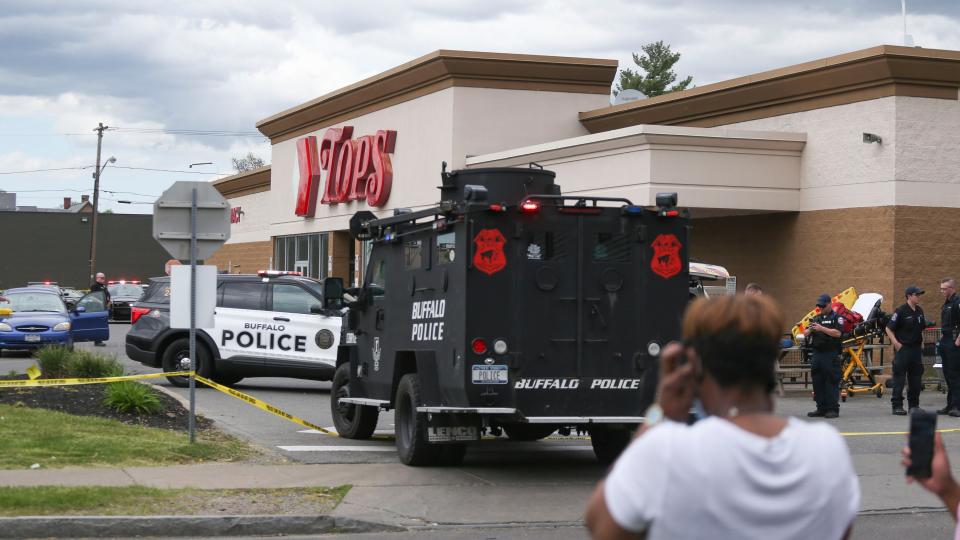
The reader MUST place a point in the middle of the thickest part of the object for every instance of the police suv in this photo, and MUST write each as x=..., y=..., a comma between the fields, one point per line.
x=510, y=308
x=273, y=324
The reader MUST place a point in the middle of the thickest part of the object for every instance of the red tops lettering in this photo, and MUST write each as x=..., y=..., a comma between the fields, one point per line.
x=357, y=169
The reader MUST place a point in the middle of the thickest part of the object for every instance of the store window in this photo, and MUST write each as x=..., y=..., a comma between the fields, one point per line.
x=304, y=253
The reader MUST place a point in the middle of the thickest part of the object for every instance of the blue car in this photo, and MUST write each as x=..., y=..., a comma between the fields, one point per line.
x=31, y=318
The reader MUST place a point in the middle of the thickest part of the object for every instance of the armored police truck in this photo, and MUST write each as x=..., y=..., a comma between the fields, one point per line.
x=510, y=308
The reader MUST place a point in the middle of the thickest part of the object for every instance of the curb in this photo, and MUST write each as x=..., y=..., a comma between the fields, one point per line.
x=172, y=526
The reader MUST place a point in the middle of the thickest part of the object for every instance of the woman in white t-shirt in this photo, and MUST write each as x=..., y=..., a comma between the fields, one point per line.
x=742, y=472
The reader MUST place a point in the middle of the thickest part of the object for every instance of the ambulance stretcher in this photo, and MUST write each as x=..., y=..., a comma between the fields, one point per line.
x=857, y=371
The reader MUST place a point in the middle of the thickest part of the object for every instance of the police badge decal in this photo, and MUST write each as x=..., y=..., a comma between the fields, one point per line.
x=666, y=256
x=489, y=257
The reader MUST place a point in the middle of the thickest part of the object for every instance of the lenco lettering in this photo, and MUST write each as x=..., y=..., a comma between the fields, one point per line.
x=573, y=384
x=428, y=331
x=259, y=340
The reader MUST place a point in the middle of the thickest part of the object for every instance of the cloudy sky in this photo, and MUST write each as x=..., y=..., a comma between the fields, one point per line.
x=160, y=71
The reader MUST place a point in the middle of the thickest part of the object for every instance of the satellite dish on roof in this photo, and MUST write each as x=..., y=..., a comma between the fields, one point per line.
x=628, y=95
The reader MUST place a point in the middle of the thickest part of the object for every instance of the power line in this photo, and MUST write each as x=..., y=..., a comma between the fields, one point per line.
x=48, y=170
x=163, y=170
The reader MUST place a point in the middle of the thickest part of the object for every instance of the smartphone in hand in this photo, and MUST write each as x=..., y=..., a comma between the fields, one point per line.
x=923, y=425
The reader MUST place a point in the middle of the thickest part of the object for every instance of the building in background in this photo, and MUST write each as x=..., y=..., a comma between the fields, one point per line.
x=812, y=178
x=55, y=246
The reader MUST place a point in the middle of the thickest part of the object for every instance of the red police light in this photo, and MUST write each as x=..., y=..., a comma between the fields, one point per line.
x=479, y=346
x=137, y=312
x=530, y=207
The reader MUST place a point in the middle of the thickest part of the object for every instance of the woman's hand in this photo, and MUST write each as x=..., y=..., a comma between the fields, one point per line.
x=676, y=389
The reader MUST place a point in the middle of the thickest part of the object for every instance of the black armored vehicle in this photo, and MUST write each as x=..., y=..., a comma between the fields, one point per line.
x=510, y=308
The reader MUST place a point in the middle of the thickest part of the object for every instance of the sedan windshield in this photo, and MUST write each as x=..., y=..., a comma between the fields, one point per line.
x=125, y=289
x=25, y=302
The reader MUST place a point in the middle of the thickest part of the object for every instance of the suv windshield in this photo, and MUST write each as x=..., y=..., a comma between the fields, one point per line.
x=28, y=301
x=125, y=289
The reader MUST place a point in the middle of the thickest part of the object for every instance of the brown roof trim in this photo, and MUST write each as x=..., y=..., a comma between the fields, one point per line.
x=885, y=70
x=437, y=71
x=245, y=183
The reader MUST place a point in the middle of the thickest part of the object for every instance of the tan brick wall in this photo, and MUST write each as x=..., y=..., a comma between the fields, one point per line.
x=250, y=256
x=927, y=249
x=340, y=242
x=797, y=256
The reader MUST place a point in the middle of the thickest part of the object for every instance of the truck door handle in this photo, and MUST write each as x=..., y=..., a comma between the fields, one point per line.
x=378, y=323
x=282, y=319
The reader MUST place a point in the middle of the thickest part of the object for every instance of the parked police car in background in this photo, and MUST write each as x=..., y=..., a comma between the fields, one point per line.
x=271, y=324
x=122, y=294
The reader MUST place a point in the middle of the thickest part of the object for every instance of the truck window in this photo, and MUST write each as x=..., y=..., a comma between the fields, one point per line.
x=610, y=247
x=446, y=246
x=292, y=299
x=242, y=295
x=413, y=255
x=378, y=278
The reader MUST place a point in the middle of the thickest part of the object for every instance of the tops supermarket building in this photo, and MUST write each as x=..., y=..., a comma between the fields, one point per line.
x=782, y=187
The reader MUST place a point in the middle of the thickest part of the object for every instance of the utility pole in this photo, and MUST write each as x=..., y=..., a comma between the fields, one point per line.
x=96, y=197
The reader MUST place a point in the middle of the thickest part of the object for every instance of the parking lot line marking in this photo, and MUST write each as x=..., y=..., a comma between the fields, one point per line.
x=881, y=433
x=338, y=448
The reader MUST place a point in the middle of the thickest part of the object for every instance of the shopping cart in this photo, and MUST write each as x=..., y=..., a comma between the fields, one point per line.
x=930, y=356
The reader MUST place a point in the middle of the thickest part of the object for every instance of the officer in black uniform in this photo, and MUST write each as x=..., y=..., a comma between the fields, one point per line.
x=823, y=336
x=950, y=345
x=905, y=330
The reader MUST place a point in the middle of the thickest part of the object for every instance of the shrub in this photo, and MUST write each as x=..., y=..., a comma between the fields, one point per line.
x=54, y=361
x=85, y=364
x=131, y=396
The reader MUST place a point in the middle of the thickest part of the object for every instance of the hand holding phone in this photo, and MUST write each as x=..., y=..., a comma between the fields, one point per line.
x=923, y=427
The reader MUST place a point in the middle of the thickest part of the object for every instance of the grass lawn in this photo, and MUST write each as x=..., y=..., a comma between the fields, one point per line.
x=145, y=501
x=53, y=439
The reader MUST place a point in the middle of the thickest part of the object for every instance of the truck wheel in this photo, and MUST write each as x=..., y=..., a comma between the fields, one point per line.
x=411, y=426
x=608, y=442
x=528, y=432
x=177, y=351
x=351, y=421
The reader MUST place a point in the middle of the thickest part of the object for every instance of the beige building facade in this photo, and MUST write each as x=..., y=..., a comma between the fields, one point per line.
x=774, y=167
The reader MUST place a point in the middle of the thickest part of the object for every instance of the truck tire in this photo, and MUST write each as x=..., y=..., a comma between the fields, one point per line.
x=528, y=432
x=608, y=442
x=180, y=349
x=351, y=421
x=411, y=426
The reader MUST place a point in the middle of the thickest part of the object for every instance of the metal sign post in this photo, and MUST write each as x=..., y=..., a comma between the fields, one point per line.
x=193, y=314
x=191, y=220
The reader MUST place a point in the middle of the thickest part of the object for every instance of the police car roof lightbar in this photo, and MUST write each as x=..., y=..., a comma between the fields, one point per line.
x=277, y=273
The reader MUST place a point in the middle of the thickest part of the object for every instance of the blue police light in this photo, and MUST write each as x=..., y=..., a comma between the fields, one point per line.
x=632, y=209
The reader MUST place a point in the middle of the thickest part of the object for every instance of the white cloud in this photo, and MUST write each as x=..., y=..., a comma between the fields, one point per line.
x=223, y=65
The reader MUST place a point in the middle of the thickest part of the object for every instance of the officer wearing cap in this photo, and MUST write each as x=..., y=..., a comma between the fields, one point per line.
x=905, y=330
x=950, y=344
x=823, y=337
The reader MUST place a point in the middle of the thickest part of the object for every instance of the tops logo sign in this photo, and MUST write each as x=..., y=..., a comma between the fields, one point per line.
x=358, y=169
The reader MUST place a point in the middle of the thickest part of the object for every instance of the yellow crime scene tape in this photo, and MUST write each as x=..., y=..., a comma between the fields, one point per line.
x=94, y=380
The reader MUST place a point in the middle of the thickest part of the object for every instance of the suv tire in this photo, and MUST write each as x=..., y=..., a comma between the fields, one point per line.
x=351, y=421
x=179, y=349
x=411, y=426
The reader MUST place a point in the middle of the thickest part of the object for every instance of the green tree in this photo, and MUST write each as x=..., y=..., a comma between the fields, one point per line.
x=655, y=73
x=247, y=163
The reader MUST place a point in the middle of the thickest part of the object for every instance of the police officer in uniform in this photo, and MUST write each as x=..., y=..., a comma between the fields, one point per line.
x=823, y=336
x=950, y=345
x=905, y=330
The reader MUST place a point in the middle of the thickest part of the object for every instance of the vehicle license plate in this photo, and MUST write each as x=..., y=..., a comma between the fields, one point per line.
x=490, y=375
x=31, y=338
x=452, y=433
